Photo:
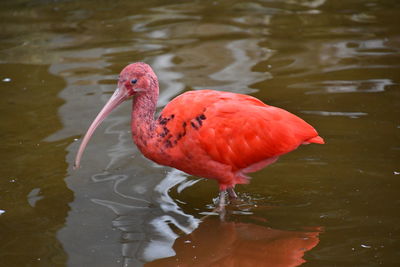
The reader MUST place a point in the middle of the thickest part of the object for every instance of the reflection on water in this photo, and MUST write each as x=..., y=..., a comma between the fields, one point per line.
x=353, y=115
x=166, y=236
x=353, y=86
x=217, y=243
x=244, y=59
x=147, y=232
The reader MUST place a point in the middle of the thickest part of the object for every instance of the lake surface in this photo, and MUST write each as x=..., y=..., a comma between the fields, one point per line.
x=334, y=63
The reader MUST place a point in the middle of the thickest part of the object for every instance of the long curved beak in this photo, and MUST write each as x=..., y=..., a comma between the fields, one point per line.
x=117, y=98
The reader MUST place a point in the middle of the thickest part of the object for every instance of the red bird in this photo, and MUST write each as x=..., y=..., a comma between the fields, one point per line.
x=211, y=134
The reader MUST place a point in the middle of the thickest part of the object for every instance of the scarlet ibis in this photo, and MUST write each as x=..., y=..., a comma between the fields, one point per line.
x=206, y=133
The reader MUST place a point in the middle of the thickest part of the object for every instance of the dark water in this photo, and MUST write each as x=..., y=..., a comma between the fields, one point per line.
x=334, y=63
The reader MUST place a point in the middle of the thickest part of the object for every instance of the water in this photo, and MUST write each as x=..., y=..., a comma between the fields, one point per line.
x=334, y=63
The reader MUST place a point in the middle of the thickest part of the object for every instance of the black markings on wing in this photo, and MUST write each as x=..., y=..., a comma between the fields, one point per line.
x=183, y=133
x=194, y=125
x=197, y=122
x=164, y=120
x=168, y=143
x=165, y=132
x=168, y=139
x=165, y=136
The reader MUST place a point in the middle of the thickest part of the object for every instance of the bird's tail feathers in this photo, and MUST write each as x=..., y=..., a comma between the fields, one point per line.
x=316, y=140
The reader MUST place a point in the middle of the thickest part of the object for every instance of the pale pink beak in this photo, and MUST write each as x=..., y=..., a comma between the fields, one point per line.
x=117, y=98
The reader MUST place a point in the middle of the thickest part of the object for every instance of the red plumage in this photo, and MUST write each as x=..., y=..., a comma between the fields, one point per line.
x=226, y=134
x=211, y=134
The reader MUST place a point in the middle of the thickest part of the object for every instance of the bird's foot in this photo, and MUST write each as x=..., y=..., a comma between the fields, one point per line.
x=222, y=202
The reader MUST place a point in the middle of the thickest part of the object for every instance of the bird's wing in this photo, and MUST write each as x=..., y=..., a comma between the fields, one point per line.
x=237, y=130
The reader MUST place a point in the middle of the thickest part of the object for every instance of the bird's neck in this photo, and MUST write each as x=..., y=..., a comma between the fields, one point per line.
x=143, y=123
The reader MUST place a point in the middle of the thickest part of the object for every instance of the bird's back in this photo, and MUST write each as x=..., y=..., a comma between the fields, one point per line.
x=228, y=129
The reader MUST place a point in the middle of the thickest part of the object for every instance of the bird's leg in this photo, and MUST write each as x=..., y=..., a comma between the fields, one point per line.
x=221, y=205
x=221, y=201
x=231, y=193
x=220, y=208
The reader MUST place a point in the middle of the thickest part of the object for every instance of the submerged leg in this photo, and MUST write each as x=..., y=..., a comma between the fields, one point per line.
x=220, y=208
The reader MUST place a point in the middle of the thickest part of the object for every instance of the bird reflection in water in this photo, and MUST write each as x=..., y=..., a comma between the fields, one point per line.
x=164, y=235
x=218, y=243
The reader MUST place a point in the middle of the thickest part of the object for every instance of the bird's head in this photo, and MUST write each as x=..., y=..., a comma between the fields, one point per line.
x=135, y=79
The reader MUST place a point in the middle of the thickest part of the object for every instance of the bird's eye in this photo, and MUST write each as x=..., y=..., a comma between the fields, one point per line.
x=133, y=81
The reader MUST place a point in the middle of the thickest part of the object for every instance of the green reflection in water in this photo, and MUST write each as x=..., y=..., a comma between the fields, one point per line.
x=33, y=192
